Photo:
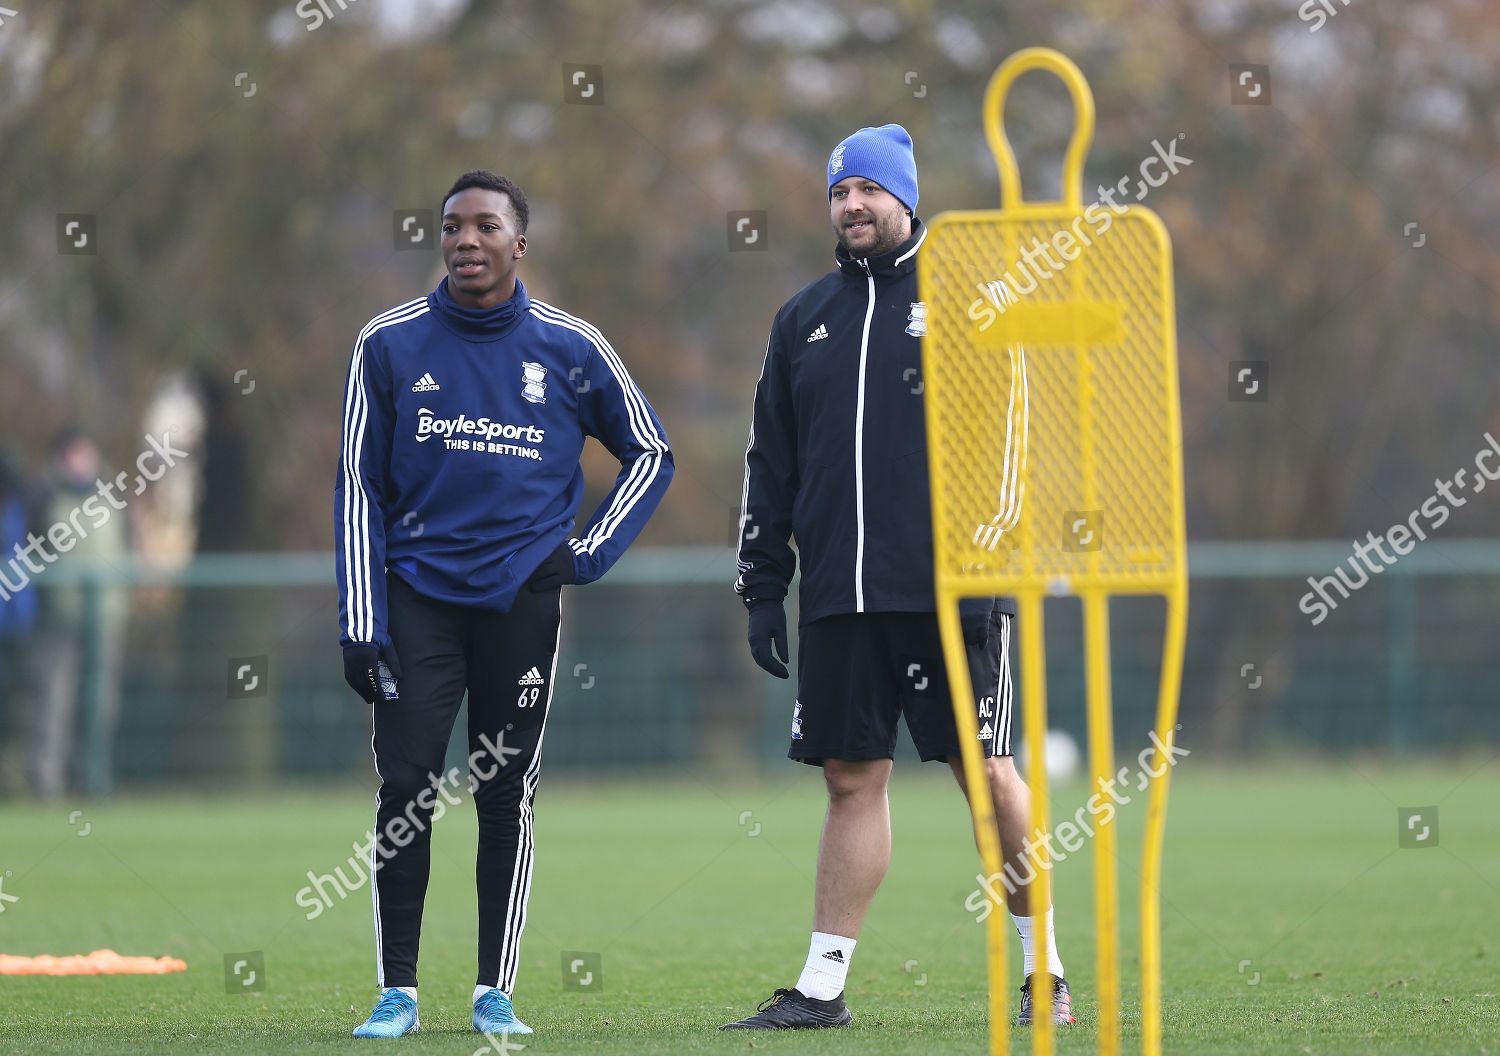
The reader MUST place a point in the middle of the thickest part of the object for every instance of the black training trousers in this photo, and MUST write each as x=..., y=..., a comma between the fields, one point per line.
x=506, y=661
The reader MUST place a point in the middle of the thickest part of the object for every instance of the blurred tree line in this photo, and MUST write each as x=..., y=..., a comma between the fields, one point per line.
x=254, y=233
x=244, y=162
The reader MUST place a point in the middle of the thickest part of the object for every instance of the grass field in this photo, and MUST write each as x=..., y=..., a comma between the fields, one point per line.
x=1293, y=923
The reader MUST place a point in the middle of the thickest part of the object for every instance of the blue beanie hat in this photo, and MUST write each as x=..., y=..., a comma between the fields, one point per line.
x=881, y=154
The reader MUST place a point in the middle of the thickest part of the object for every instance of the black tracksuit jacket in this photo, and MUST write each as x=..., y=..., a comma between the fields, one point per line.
x=837, y=456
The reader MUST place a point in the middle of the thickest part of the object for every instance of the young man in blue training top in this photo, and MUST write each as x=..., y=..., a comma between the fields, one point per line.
x=465, y=414
x=837, y=458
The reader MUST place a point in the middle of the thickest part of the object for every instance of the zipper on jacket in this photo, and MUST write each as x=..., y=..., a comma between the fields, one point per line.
x=859, y=448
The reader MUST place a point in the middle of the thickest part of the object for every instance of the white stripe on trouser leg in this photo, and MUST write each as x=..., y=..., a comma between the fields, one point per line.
x=520, y=880
x=995, y=739
x=1007, y=687
x=374, y=883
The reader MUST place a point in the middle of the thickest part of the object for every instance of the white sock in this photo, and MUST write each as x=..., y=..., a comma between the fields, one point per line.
x=481, y=990
x=409, y=991
x=827, y=966
x=1025, y=929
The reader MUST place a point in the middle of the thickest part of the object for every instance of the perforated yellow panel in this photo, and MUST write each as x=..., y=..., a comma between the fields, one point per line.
x=1052, y=404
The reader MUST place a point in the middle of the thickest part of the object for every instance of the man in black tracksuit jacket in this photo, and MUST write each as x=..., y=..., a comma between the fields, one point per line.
x=837, y=459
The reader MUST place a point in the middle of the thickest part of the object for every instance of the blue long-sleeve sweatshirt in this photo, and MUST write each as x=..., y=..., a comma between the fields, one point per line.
x=460, y=458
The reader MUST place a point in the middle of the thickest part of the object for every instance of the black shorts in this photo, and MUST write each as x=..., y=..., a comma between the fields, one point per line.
x=857, y=673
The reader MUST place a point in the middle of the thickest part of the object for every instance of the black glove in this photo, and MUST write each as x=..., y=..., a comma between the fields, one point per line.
x=556, y=570
x=362, y=664
x=768, y=635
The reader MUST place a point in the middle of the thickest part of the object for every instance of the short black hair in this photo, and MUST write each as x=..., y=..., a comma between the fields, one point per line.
x=488, y=181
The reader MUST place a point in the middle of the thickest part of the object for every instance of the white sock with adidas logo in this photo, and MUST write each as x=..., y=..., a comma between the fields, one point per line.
x=1026, y=928
x=827, y=966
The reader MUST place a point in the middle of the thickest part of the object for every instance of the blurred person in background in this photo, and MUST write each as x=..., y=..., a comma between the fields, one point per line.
x=80, y=636
x=18, y=612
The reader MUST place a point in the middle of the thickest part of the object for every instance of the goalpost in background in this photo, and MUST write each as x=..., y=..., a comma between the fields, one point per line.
x=1055, y=449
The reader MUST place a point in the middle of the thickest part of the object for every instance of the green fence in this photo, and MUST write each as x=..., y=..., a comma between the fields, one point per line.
x=231, y=671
